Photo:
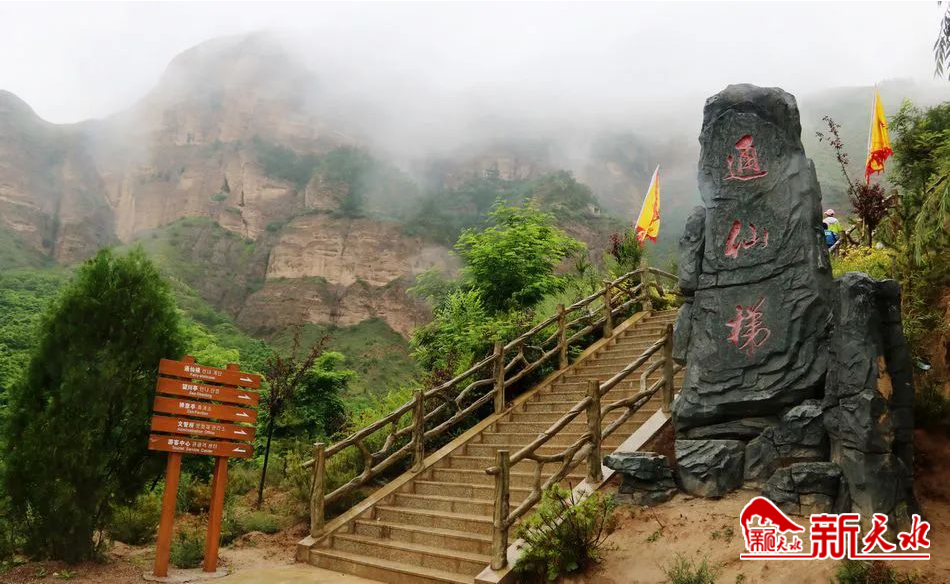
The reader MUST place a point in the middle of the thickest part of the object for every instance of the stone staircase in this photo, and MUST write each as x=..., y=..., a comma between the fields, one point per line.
x=436, y=527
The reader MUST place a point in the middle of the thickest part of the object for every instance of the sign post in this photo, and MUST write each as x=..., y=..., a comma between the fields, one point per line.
x=200, y=418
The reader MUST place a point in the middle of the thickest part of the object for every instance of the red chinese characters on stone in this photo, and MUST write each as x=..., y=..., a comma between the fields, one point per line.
x=734, y=244
x=747, y=165
x=746, y=330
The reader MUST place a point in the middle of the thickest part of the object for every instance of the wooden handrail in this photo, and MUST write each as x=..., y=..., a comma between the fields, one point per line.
x=432, y=412
x=587, y=447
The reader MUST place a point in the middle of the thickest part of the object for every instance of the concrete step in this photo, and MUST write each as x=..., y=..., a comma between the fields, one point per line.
x=383, y=570
x=447, y=503
x=447, y=539
x=432, y=518
x=559, y=441
x=575, y=426
x=426, y=556
x=484, y=492
x=478, y=476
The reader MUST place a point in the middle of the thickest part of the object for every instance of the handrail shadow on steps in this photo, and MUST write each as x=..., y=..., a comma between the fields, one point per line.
x=445, y=406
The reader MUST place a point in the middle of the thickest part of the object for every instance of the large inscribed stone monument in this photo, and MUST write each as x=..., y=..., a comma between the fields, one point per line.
x=754, y=269
x=794, y=383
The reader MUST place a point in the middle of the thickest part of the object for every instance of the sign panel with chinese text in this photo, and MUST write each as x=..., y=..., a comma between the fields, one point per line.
x=205, y=428
x=185, y=445
x=220, y=393
x=195, y=371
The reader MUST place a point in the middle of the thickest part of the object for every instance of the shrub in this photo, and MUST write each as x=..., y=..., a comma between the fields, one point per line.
x=877, y=263
x=931, y=406
x=135, y=524
x=218, y=197
x=865, y=572
x=80, y=414
x=682, y=570
x=565, y=534
x=188, y=549
x=259, y=521
x=513, y=262
x=234, y=524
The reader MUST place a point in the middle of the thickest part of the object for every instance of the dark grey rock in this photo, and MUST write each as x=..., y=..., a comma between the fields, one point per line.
x=643, y=466
x=691, y=246
x=647, y=477
x=799, y=436
x=709, y=468
x=760, y=310
x=741, y=429
x=805, y=488
x=869, y=395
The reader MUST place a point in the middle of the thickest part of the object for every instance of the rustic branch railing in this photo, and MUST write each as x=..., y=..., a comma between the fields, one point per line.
x=587, y=447
x=430, y=413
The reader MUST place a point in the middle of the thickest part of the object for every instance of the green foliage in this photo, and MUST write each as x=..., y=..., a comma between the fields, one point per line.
x=285, y=164
x=377, y=354
x=78, y=420
x=869, y=572
x=235, y=523
x=24, y=295
x=626, y=251
x=683, y=570
x=931, y=406
x=564, y=534
x=877, y=263
x=317, y=410
x=188, y=549
x=461, y=332
x=512, y=263
x=919, y=227
x=135, y=524
x=218, y=197
x=446, y=213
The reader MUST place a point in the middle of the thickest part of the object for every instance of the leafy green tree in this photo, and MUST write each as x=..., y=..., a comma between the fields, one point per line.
x=317, y=410
x=513, y=262
x=922, y=171
x=78, y=423
x=285, y=376
x=626, y=250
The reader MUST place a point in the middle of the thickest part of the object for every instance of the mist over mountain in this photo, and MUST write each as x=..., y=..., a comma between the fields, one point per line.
x=286, y=187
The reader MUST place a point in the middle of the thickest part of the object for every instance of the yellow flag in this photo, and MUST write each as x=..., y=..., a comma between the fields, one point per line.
x=879, y=143
x=648, y=224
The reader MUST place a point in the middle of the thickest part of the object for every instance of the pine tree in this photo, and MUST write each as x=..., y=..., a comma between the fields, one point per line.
x=78, y=422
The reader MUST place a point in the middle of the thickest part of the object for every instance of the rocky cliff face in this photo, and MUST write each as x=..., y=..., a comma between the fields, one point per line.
x=192, y=148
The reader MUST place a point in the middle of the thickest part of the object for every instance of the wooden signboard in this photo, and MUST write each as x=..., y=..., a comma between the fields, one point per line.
x=196, y=418
x=201, y=409
x=191, y=370
x=206, y=428
x=196, y=446
x=220, y=393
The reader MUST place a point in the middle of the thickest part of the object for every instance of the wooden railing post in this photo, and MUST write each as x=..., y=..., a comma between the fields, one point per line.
x=595, y=473
x=561, y=337
x=668, y=369
x=418, y=429
x=499, y=377
x=499, y=542
x=645, y=285
x=317, y=494
x=608, y=309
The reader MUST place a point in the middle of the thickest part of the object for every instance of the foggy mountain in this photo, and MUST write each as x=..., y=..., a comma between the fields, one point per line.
x=287, y=189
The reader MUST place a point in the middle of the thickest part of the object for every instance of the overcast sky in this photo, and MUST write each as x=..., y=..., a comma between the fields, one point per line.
x=75, y=61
